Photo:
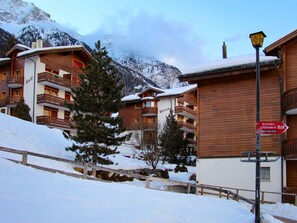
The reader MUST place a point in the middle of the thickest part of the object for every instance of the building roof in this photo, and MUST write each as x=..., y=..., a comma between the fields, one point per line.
x=130, y=98
x=272, y=48
x=56, y=49
x=177, y=91
x=163, y=93
x=230, y=65
x=151, y=88
x=19, y=47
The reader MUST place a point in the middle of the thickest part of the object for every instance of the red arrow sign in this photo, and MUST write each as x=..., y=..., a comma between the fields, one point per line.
x=271, y=127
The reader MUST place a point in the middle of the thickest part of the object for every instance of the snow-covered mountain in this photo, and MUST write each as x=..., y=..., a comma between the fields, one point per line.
x=27, y=22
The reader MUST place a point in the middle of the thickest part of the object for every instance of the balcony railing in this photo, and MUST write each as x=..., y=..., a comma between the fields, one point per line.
x=290, y=148
x=185, y=111
x=52, y=121
x=56, y=80
x=290, y=101
x=188, y=127
x=13, y=100
x=51, y=100
x=149, y=126
x=3, y=102
x=149, y=111
x=15, y=81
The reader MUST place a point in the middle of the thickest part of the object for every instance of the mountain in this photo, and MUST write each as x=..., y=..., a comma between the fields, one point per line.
x=28, y=23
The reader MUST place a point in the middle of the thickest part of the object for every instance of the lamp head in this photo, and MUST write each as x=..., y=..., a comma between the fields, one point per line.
x=257, y=39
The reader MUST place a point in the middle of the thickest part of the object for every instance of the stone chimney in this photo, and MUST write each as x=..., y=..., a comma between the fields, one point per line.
x=39, y=43
x=224, y=49
x=33, y=45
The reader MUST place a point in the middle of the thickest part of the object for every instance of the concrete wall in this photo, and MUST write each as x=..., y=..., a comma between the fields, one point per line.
x=231, y=172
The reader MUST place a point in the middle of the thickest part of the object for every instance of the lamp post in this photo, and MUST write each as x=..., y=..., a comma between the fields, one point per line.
x=257, y=41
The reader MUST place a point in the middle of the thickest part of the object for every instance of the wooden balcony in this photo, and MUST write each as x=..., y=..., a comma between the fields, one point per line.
x=3, y=102
x=187, y=127
x=52, y=101
x=54, y=122
x=290, y=148
x=56, y=81
x=12, y=101
x=14, y=81
x=186, y=112
x=149, y=111
x=289, y=101
x=149, y=126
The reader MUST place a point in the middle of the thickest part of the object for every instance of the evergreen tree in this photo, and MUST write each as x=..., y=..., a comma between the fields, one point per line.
x=95, y=100
x=171, y=140
x=22, y=111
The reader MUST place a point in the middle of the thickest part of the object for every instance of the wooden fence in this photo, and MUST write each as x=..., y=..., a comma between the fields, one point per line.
x=199, y=189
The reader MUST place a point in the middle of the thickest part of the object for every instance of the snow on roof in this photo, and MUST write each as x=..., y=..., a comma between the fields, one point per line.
x=177, y=91
x=233, y=62
x=151, y=88
x=5, y=59
x=147, y=98
x=132, y=97
x=19, y=47
x=42, y=49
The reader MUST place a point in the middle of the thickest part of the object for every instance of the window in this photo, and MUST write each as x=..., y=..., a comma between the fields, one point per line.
x=17, y=93
x=3, y=76
x=3, y=110
x=67, y=96
x=51, y=71
x=67, y=115
x=147, y=104
x=265, y=173
x=51, y=91
x=137, y=106
x=50, y=112
x=77, y=64
x=137, y=120
x=2, y=95
x=18, y=72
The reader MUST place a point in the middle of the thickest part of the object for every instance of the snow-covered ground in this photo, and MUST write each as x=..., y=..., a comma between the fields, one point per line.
x=30, y=195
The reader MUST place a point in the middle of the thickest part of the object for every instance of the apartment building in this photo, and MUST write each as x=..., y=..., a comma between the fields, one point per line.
x=226, y=96
x=144, y=113
x=43, y=78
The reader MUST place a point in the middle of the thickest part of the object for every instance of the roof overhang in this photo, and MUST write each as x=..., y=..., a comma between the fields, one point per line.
x=273, y=48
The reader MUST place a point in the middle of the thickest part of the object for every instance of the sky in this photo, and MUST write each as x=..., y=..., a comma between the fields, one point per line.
x=182, y=33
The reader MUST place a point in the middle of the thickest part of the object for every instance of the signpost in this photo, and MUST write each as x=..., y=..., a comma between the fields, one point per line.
x=271, y=127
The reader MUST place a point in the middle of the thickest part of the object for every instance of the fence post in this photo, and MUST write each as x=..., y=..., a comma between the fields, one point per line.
x=24, y=157
x=85, y=171
x=237, y=193
x=147, y=182
x=201, y=192
x=189, y=188
x=220, y=192
x=262, y=200
x=94, y=170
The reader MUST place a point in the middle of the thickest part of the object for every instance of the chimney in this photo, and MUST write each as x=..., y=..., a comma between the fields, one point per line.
x=224, y=48
x=33, y=45
x=39, y=43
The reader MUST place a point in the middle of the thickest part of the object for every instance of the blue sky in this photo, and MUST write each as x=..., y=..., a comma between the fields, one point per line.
x=184, y=33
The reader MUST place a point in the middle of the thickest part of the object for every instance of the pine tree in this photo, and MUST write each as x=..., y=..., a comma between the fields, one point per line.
x=22, y=111
x=95, y=100
x=171, y=139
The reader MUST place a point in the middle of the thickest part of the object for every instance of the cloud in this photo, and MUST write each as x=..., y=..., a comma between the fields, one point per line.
x=153, y=35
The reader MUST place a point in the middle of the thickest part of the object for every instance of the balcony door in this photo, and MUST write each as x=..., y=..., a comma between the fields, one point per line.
x=50, y=112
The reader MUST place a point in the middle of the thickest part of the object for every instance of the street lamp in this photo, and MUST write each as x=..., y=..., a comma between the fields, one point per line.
x=257, y=41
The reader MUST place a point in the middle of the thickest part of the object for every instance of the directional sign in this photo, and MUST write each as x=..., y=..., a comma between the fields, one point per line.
x=271, y=127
